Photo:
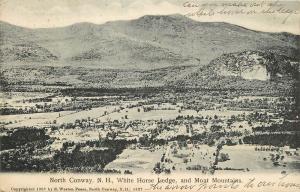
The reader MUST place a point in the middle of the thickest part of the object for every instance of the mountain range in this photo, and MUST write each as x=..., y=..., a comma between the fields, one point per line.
x=153, y=49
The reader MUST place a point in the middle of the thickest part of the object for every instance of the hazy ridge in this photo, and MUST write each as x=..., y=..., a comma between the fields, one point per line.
x=149, y=51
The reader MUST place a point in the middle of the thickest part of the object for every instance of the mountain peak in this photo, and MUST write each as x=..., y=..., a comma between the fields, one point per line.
x=162, y=18
x=175, y=16
x=83, y=24
x=176, y=22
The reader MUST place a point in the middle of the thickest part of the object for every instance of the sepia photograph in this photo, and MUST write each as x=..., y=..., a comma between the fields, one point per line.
x=156, y=87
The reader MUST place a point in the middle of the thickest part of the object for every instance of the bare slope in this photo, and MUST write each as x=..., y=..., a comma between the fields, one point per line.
x=145, y=43
x=150, y=51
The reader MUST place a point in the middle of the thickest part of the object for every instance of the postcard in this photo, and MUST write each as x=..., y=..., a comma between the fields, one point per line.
x=149, y=95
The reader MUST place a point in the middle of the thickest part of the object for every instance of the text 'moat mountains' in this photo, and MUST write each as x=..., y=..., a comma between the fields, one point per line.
x=157, y=50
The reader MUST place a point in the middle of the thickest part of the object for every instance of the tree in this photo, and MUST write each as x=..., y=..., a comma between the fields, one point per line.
x=111, y=135
x=144, y=140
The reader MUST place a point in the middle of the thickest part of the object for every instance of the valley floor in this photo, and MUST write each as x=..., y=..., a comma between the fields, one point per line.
x=159, y=133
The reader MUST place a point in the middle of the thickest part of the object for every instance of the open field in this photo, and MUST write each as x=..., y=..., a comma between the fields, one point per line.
x=245, y=156
x=165, y=114
x=138, y=160
x=34, y=119
x=156, y=136
x=107, y=113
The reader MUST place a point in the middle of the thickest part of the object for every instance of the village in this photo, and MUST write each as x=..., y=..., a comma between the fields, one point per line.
x=157, y=134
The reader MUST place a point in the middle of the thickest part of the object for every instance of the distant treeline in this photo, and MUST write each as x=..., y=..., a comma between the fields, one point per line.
x=28, y=146
x=285, y=126
x=110, y=91
x=21, y=137
x=93, y=160
x=138, y=91
x=287, y=133
x=71, y=90
x=278, y=140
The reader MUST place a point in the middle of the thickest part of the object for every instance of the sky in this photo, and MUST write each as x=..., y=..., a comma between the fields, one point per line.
x=56, y=13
